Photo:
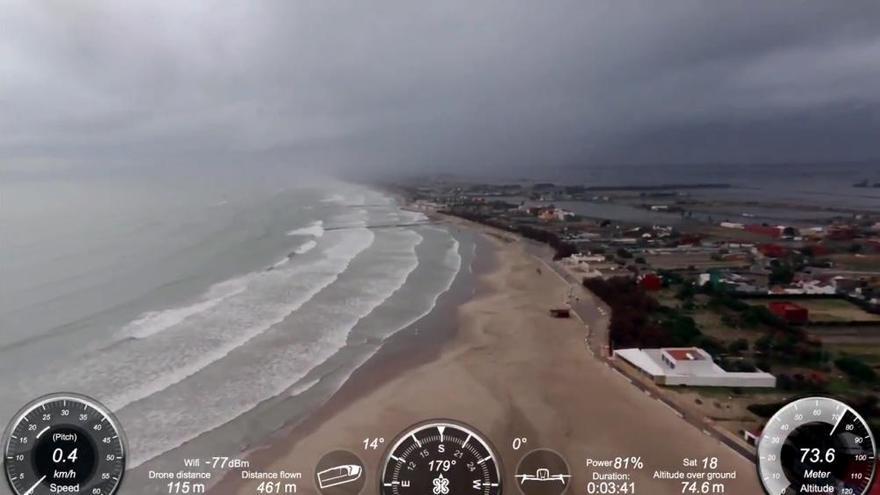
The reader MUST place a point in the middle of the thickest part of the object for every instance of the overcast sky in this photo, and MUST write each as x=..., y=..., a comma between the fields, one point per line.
x=437, y=85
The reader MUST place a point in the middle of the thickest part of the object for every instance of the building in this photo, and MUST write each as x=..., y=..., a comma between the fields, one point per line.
x=790, y=312
x=773, y=250
x=690, y=366
x=651, y=282
x=764, y=230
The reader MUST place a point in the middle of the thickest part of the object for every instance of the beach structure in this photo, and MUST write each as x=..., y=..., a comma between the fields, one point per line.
x=790, y=312
x=690, y=366
x=560, y=312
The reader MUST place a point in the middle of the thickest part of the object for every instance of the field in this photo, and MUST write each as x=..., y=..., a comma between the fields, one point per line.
x=870, y=262
x=828, y=310
x=685, y=261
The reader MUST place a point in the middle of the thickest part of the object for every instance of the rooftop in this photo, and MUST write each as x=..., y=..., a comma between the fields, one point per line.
x=690, y=354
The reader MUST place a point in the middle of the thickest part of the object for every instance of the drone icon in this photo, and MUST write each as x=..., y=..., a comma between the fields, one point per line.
x=543, y=474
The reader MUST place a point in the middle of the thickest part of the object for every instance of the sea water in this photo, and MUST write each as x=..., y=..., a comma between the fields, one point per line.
x=184, y=304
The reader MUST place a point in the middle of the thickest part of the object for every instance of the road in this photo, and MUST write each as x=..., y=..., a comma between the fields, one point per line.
x=596, y=316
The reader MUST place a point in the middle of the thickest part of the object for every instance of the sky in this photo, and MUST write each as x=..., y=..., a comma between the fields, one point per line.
x=455, y=85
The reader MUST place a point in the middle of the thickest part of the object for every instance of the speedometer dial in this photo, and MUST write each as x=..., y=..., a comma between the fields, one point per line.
x=64, y=443
x=441, y=458
x=817, y=445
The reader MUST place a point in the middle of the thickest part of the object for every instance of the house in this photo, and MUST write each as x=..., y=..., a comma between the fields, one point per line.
x=773, y=250
x=690, y=366
x=651, y=282
x=790, y=312
x=764, y=230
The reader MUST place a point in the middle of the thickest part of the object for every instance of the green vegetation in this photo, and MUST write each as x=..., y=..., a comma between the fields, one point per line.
x=738, y=346
x=856, y=369
x=623, y=253
x=781, y=274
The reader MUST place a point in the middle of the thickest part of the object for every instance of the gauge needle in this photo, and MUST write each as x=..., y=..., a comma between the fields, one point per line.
x=31, y=489
x=836, y=424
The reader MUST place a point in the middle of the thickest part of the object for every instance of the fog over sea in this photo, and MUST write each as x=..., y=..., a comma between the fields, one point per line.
x=182, y=303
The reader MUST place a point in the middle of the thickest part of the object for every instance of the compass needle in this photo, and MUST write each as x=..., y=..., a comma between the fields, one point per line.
x=440, y=458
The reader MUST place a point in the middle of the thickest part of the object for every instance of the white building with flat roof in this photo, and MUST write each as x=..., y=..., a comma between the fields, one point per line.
x=690, y=366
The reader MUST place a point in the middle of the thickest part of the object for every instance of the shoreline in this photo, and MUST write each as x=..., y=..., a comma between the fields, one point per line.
x=405, y=350
x=337, y=379
x=527, y=372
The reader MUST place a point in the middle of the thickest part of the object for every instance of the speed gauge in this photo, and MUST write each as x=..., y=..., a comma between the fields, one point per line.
x=817, y=445
x=64, y=443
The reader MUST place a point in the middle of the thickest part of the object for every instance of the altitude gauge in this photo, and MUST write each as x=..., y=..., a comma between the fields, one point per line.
x=817, y=445
x=64, y=443
x=440, y=458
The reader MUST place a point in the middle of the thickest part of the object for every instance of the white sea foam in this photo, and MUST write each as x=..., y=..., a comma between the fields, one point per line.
x=248, y=318
x=303, y=387
x=452, y=261
x=283, y=261
x=305, y=247
x=316, y=229
x=175, y=344
x=407, y=216
x=153, y=322
x=283, y=366
x=325, y=323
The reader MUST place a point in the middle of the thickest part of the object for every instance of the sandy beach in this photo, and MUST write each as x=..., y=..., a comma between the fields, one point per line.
x=510, y=370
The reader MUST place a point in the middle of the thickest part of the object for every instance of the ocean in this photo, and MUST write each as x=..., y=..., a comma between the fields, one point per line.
x=185, y=304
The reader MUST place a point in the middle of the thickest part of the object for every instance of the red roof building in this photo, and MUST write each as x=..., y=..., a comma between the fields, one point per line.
x=819, y=249
x=773, y=250
x=765, y=230
x=790, y=312
x=651, y=282
x=842, y=233
x=685, y=354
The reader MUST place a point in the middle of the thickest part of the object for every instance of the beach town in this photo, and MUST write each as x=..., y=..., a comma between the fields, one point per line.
x=724, y=309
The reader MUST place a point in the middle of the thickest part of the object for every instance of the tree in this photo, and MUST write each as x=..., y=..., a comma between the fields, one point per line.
x=857, y=370
x=729, y=321
x=687, y=291
x=764, y=343
x=781, y=274
x=738, y=346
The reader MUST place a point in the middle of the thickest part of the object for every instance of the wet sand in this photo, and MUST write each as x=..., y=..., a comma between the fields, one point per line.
x=509, y=370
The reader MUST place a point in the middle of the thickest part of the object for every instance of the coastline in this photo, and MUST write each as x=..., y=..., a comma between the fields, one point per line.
x=351, y=371
x=420, y=343
x=506, y=368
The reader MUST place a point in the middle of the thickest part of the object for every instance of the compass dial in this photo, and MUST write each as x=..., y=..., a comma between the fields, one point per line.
x=441, y=458
x=64, y=443
x=817, y=445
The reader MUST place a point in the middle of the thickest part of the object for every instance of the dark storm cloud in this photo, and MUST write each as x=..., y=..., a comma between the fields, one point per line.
x=453, y=84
